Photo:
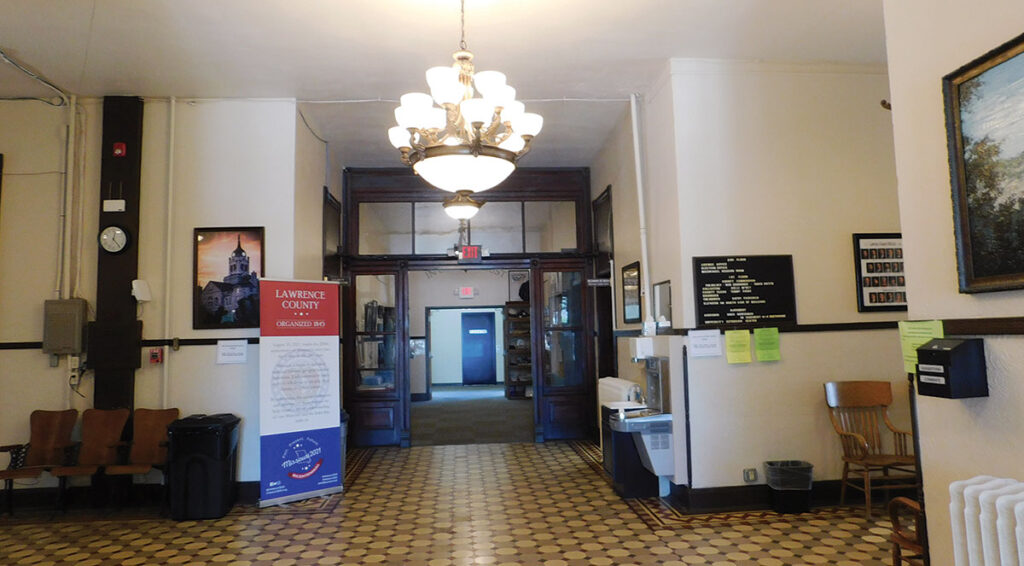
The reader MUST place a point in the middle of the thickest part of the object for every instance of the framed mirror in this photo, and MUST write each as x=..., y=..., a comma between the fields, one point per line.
x=631, y=292
x=663, y=302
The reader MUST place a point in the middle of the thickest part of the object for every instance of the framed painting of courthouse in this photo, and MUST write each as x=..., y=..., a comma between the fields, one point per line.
x=881, y=281
x=985, y=137
x=227, y=266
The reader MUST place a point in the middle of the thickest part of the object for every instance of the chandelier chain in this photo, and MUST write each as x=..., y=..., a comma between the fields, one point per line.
x=462, y=10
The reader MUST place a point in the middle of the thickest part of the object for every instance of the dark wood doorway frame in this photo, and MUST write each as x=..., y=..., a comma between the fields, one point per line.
x=381, y=418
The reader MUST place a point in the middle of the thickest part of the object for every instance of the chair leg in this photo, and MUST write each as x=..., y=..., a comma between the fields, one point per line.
x=842, y=486
x=867, y=492
x=886, y=483
x=62, y=488
x=9, y=491
x=897, y=560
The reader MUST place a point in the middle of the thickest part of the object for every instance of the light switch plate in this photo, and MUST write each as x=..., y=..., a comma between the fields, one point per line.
x=114, y=205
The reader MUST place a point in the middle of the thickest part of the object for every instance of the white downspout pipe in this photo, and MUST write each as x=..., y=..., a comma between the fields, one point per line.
x=645, y=279
x=169, y=247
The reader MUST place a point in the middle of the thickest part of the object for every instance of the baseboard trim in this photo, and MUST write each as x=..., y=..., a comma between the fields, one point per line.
x=759, y=496
x=416, y=397
x=46, y=497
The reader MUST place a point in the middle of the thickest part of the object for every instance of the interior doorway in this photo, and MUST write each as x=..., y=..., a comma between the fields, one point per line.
x=458, y=383
x=462, y=346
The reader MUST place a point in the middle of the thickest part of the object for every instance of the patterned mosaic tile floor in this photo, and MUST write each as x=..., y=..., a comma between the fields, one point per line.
x=510, y=504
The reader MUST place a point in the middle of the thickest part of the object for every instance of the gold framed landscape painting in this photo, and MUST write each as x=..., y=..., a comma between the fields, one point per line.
x=985, y=135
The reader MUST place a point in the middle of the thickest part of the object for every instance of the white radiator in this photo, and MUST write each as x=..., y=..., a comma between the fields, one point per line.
x=987, y=518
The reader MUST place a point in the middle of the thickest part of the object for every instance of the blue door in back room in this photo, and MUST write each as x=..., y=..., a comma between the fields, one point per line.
x=479, y=366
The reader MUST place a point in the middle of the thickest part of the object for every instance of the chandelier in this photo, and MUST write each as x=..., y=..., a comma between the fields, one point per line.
x=459, y=142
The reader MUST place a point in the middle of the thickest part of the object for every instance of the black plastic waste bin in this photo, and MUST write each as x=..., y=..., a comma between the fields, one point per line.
x=202, y=458
x=790, y=481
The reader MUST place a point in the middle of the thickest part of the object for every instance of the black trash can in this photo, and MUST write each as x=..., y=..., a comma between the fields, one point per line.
x=790, y=481
x=202, y=459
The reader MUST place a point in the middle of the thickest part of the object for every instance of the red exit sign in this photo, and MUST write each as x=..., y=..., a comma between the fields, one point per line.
x=470, y=254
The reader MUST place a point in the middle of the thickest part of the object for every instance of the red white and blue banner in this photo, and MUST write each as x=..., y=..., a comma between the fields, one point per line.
x=300, y=392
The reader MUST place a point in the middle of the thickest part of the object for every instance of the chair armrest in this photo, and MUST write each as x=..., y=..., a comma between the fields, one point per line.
x=17, y=455
x=854, y=444
x=898, y=504
x=902, y=442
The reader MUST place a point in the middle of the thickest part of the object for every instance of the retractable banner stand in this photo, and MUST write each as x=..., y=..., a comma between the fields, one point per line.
x=300, y=405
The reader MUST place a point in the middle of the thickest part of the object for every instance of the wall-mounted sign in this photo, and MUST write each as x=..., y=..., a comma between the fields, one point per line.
x=744, y=290
x=470, y=254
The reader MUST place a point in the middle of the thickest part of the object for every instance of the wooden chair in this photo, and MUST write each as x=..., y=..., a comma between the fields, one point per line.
x=857, y=409
x=49, y=438
x=101, y=436
x=905, y=539
x=149, y=443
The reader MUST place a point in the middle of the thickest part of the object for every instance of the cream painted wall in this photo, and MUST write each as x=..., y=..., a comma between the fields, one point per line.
x=30, y=224
x=776, y=410
x=310, y=174
x=759, y=158
x=663, y=198
x=959, y=439
x=784, y=159
x=224, y=153
x=615, y=166
x=32, y=143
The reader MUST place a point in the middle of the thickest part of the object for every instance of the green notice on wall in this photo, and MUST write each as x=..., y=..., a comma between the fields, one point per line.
x=915, y=333
x=766, y=344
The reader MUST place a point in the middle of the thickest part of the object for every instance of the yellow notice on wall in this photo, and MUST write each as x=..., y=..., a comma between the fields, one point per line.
x=914, y=333
x=766, y=344
x=737, y=346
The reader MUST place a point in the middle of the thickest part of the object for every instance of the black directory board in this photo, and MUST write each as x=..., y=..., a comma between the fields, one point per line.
x=744, y=290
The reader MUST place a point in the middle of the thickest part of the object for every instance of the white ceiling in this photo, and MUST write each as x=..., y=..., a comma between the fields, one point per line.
x=347, y=61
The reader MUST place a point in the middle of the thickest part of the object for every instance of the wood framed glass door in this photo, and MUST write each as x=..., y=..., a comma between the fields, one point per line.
x=376, y=384
x=563, y=352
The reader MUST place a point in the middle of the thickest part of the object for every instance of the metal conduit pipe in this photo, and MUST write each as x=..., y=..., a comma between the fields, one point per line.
x=168, y=243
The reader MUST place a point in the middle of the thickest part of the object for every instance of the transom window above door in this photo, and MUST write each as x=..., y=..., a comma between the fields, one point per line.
x=535, y=212
x=422, y=228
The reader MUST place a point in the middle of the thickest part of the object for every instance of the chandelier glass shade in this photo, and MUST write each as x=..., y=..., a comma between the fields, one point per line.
x=461, y=206
x=460, y=142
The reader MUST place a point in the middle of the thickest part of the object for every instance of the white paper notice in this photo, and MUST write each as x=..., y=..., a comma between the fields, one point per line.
x=705, y=343
x=231, y=351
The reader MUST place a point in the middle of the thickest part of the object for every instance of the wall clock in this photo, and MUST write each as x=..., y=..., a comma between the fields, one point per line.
x=113, y=239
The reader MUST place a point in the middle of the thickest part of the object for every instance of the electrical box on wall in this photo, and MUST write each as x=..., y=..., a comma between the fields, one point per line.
x=952, y=368
x=64, y=326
